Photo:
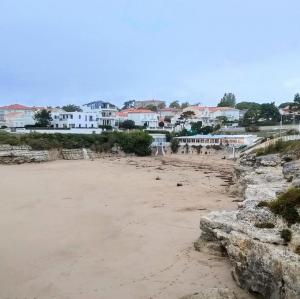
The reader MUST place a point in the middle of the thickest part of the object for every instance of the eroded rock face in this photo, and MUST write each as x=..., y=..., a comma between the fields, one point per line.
x=213, y=293
x=21, y=154
x=262, y=262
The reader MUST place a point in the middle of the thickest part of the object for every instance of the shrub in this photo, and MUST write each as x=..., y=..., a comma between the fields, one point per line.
x=264, y=225
x=285, y=205
x=175, y=145
x=286, y=235
x=133, y=142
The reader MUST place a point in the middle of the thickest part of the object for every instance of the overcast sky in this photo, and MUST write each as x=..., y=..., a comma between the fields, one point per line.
x=66, y=51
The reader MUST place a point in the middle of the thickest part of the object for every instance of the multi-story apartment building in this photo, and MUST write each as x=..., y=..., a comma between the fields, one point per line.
x=209, y=115
x=17, y=116
x=106, y=112
x=84, y=119
x=141, y=117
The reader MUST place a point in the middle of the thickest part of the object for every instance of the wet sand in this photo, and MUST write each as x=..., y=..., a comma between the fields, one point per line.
x=110, y=228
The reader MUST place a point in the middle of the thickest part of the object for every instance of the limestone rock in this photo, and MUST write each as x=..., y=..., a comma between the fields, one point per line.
x=261, y=263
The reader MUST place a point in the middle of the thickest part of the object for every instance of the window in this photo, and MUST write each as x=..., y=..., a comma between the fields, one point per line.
x=91, y=118
x=71, y=116
x=79, y=126
x=79, y=116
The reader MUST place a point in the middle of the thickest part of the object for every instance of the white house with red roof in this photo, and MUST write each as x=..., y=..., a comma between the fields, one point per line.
x=209, y=115
x=17, y=116
x=141, y=117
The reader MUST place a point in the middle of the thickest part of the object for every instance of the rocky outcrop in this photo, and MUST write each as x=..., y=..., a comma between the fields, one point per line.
x=262, y=261
x=213, y=293
x=24, y=154
x=21, y=154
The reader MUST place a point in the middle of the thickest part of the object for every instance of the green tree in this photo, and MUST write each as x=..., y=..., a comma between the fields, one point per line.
x=196, y=127
x=247, y=105
x=222, y=119
x=174, y=104
x=269, y=112
x=295, y=107
x=187, y=114
x=127, y=124
x=43, y=118
x=128, y=104
x=175, y=145
x=161, y=105
x=207, y=130
x=228, y=100
x=71, y=108
x=151, y=107
x=285, y=105
x=184, y=105
x=251, y=117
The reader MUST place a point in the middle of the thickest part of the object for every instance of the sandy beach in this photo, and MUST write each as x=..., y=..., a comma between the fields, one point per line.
x=111, y=228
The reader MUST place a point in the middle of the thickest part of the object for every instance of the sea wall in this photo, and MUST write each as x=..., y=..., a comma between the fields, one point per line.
x=262, y=262
x=24, y=154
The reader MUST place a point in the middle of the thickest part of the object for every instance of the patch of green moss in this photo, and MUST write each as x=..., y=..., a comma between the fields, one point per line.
x=286, y=235
x=264, y=225
x=285, y=205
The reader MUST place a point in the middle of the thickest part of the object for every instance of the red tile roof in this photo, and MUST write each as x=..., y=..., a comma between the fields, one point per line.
x=19, y=107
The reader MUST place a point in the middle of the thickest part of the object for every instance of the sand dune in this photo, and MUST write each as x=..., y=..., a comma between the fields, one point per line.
x=111, y=228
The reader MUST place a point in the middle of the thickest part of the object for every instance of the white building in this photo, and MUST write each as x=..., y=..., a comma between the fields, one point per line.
x=141, y=117
x=106, y=112
x=209, y=115
x=17, y=116
x=85, y=119
x=230, y=140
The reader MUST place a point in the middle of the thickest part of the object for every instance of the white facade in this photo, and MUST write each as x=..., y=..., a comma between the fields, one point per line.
x=17, y=116
x=141, y=117
x=63, y=119
x=209, y=115
x=231, y=140
x=106, y=112
x=144, y=117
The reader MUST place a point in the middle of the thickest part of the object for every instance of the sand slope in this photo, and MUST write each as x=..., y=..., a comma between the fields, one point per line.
x=109, y=229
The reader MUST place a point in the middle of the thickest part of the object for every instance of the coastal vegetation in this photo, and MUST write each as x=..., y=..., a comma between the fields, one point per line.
x=281, y=147
x=285, y=205
x=136, y=142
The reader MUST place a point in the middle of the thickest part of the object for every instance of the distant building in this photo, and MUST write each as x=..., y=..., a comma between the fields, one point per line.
x=107, y=112
x=141, y=117
x=84, y=119
x=209, y=140
x=144, y=104
x=209, y=115
x=17, y=116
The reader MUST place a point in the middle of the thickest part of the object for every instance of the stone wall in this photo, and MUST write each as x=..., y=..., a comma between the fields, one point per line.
x=21, y=154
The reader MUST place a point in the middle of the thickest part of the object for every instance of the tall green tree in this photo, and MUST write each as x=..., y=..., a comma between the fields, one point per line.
x=71, y=108
x=251, y=117
x=269, y=112
x=151, y=107
x=246, y=105
x=128, y=104
x=43, y=118
x=228, y=100
x=174, y=104
x=196, y=127
x=184, y=105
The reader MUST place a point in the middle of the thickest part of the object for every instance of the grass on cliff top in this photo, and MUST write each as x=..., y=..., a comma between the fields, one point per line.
x=285, y=205
x=137, y=142
x=281, y=147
